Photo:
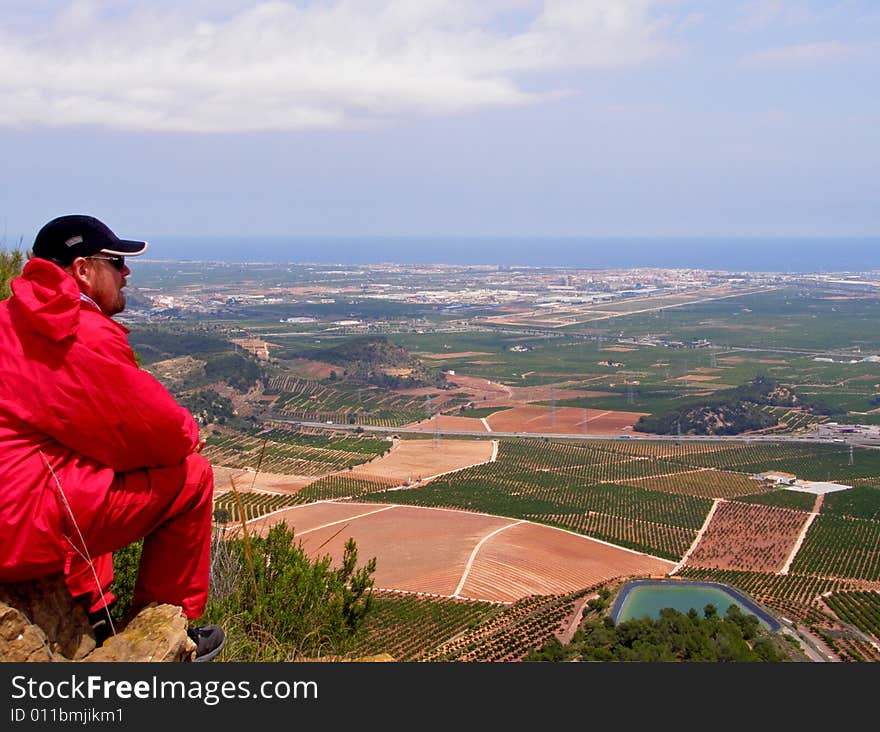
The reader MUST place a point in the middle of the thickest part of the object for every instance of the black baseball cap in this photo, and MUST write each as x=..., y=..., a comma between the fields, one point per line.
x=64, y=239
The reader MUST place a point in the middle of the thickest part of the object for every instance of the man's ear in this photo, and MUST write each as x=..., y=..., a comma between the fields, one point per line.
x=80, y=270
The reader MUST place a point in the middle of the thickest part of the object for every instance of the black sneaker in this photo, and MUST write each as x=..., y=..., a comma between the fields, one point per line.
x=209, y=640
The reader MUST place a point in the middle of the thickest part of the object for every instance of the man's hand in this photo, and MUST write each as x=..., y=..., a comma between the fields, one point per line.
x=200, y=445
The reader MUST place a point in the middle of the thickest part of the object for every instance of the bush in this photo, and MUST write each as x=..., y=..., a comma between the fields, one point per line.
x=125, y=567
x=11, y=263
x=289, y=607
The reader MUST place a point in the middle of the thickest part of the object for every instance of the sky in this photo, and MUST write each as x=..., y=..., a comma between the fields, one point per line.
x=434, y=118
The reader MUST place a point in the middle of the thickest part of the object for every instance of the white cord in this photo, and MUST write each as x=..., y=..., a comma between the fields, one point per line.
x=86, y=556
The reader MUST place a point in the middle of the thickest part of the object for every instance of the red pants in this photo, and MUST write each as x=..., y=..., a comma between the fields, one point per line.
x=171, y=508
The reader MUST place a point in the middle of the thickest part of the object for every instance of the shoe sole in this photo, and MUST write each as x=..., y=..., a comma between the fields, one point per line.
x=210, y=655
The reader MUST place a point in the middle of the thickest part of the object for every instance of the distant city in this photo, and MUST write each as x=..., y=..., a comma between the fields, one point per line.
x=548, y=297
x=731, y=254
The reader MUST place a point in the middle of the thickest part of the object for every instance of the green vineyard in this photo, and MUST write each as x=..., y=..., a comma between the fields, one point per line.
x=782, y=499
x=840, y=547
x=254, y=505
x=859, y=608
x=512, y=633
x=279, y=451
x=345, y=403
x=407, y=626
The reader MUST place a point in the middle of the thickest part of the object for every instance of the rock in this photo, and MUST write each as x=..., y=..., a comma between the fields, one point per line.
x=40, y=622
x=156, y=633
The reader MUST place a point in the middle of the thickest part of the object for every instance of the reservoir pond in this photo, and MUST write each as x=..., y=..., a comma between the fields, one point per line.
x=647, y=597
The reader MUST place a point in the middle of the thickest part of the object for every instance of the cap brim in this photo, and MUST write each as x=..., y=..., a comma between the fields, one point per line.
x=127, y=248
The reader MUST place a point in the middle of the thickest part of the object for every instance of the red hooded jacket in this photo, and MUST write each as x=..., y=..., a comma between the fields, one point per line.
x=71, y=398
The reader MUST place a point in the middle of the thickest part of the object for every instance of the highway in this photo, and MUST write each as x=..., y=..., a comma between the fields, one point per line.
x=806, y=437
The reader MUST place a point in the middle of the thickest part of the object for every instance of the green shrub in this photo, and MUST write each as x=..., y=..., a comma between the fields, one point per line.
x=125, y=567
x=10, y=266
x=291, y=607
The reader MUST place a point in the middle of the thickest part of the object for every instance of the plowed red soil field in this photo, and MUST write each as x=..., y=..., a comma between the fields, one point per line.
x=534, y=418
x=457, y=553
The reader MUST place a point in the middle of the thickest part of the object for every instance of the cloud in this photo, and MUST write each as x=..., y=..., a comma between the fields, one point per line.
x=236, y=66
x=805, y=54
x=632, y=108
x=765, y=13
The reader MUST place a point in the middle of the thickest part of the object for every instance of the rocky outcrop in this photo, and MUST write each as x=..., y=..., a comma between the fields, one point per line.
x=40, y=622
x=156, y=633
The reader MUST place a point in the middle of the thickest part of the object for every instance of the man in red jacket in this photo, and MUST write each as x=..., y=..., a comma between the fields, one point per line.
x=94, y=452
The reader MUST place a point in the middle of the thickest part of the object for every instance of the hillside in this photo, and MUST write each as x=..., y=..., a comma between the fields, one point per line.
x=378, y=361
x=730, y=411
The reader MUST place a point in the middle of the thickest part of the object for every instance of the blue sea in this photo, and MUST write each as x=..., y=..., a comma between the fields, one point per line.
x=785, y=255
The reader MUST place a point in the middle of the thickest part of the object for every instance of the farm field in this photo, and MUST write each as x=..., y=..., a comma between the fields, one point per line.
x=414, y=460
x=312, y=399
x=285, y=453
x=571, y=370
x=562, y=420
x=413, y=627
x=749, y=537
x=655, y=499
x=697, y=507
x=861, y=608
x=247, y=478
x=450, y=423
x=462, y=554
x=537, y=419
x=708, y=482
x=408, y=625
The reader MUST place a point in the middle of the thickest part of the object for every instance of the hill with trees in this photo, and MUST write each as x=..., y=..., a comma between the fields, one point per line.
x=379, y=361
x=730, y=411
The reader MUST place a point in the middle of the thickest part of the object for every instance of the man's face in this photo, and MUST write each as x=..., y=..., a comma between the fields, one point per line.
x=101, y=280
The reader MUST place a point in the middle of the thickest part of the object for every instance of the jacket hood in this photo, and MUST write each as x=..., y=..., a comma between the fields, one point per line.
x=48, y=298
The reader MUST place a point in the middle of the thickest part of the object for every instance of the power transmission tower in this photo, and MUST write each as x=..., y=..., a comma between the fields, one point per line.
x=436, y=430
x=851, y=457
x=678, y=433
x=712, y=361
x=552, y=407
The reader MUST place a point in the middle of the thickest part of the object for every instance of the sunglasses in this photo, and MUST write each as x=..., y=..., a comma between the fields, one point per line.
x=117, y=262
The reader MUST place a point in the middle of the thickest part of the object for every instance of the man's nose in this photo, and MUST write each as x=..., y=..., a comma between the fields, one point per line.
x=125, y=270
